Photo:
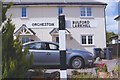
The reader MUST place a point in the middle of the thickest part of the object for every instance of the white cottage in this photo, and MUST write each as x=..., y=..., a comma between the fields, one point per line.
x=38, y=20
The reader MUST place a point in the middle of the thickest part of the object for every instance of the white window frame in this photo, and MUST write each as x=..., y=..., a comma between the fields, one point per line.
x=85, y=11
x=87, y=40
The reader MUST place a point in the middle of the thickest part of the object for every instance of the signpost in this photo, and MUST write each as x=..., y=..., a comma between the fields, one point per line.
x=62, y=48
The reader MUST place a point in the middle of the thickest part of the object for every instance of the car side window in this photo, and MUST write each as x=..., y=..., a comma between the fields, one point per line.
x=38, y=46
x=30, y=46
x=35, y=46
x=42, y=46
x=52, y=47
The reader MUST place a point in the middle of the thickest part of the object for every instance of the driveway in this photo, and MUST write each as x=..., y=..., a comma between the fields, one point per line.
x=111, y=63
x=110, y=66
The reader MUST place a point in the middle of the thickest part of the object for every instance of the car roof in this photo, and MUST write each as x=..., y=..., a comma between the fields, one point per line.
x=40, y=42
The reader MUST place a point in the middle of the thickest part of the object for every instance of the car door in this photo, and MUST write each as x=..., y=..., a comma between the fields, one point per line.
x=38, y=53
x=52, y=54
x=33, y=49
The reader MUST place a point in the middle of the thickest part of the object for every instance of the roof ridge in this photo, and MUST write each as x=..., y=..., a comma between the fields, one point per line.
x=53, y=1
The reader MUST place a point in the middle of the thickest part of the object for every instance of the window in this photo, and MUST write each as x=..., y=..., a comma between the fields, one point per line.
x=50, y=46
x=60, y=10
x=83, y=39
x=25, y=39
x=87, y=40
x=23, y=11
x=53, y=47
x=90, y=40
x=35, y=46
x=30, y=46
x=38, y=46
x=57, y=39
x=83, y=12
x=86, y=11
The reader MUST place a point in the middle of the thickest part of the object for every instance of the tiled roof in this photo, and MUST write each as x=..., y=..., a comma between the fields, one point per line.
x=47, y=2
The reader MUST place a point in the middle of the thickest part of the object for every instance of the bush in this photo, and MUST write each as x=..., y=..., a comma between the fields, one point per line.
x=77, y=75
x=116, y=71
x=101, y=68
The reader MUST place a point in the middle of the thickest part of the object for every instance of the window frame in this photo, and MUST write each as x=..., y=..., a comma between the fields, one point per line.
x=86, y=11
x=87, y=39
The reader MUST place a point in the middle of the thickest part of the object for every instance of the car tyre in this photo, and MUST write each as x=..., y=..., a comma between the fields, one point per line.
x=77, y=63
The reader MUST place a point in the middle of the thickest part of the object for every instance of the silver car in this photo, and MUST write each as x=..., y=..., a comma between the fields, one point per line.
x=47, y=53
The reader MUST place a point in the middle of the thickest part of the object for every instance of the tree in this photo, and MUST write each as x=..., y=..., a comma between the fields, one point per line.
x=14, y=60
x=109, y=35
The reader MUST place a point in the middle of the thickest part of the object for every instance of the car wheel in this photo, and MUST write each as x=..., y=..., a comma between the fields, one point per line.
x=77, y=63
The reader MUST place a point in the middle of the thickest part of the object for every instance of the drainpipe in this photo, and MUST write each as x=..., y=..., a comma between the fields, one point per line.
x=105, y=25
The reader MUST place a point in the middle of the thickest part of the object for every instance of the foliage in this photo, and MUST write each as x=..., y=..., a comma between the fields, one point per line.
x=117, y=71
x=14, y=62
x=4, y=10
x=101, y=68
x=117, y=68
x=109, y=35
x=77, y=75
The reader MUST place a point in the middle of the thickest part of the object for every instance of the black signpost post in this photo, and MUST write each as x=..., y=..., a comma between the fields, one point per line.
x=62, y=48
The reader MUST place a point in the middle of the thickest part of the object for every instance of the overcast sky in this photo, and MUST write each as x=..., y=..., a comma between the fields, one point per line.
x=111, y=13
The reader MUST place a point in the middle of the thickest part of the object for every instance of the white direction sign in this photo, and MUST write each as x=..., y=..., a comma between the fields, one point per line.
x=53, y=23
x=43, y=23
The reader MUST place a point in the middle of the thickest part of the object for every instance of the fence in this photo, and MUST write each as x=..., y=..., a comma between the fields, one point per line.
x=115, y=50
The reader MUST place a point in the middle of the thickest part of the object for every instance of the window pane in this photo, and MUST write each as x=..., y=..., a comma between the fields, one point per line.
x=82, y=11
x=57, y=39
x=83, y=39
x=24, y=12
x=53, y=47
x=60, y=10
x=90, y=40
x=38, y=46
x=25, y=39
x=88, y=11
x=31, y=46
